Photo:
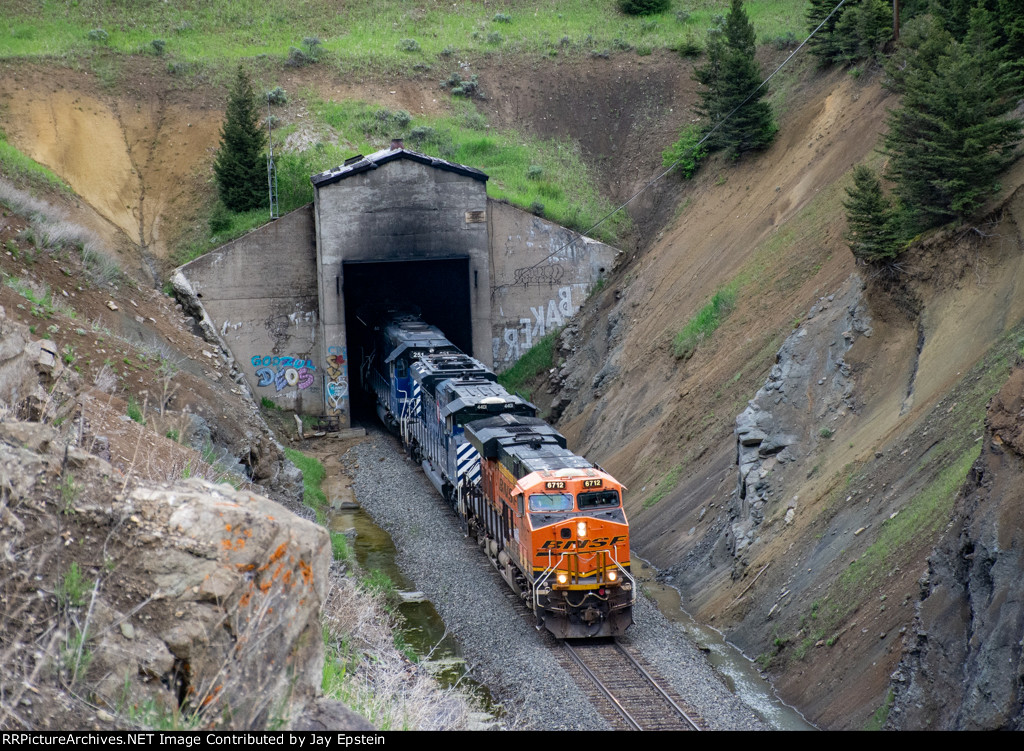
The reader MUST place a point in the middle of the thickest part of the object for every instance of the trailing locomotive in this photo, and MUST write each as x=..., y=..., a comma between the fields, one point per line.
x=551, y=522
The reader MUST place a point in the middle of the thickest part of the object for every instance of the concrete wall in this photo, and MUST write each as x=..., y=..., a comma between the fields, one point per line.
x=402, y=210
x=260, y=292
x=539, y=279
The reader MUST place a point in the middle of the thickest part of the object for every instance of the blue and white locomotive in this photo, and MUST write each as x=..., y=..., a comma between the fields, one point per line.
x=427, y=390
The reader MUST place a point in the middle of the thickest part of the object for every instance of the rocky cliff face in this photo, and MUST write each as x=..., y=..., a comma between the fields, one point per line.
x=128, y=603
x=964, y=669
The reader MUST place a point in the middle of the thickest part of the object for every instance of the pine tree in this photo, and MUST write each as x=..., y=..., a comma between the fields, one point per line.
x=240, y=166
x=855, y=31
x=949, y=140
x=872, y=234
x=729, y=77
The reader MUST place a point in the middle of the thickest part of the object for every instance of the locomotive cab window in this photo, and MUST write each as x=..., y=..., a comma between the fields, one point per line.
x=400, y=369
x=551, y=502
x=599, y=499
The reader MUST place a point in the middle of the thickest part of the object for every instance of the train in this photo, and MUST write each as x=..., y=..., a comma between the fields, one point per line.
x=551, y=522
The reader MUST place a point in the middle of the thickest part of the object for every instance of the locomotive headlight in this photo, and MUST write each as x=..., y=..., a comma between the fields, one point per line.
x=613, y=576
x=562, y=577
x=581, y=529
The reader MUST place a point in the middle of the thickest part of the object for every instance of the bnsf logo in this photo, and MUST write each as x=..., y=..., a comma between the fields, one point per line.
x=597, y=542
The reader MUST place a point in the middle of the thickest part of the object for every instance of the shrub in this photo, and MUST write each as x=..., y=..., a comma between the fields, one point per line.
x=687, y=152
x=643, y=7
x=502, y=18
x=537, y=208
x=297, y=58
x=313, y=46
x=158, y=46
x=495, y=37
x=277, y=95
x=98, y=35
x=408, y=45
x=535, y=172
x=689, y=48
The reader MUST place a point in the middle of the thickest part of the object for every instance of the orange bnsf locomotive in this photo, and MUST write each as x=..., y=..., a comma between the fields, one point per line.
x=551, y=522
x=554, y=526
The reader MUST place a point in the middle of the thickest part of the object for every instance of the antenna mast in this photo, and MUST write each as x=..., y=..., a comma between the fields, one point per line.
x=271, y=167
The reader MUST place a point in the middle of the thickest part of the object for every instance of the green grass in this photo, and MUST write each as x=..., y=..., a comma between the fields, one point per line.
x=524, y=170
x=666, y=486
x=537, y=359
x=877, y=720
x=15, y=164
x=236, y=226
x=386, y=35
x=340, y=547
x=134, y=411
x=926, y=514
x=705, y=322
x=313, y=474
x=73, y=587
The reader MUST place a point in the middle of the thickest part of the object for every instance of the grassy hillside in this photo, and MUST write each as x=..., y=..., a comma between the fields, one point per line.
x=390, y=35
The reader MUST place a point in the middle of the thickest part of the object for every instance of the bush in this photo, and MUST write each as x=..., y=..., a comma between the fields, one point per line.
x=277, y=95
x=313, y=47
x=502, y=18
x=297, y=58
x=408, y=45
x=99, y=35
x=158, y=46
x=644, y=7
x=687, y=152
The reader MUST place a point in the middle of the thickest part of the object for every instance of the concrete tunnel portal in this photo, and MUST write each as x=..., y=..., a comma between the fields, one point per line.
x=394, y=226
x=439, y=289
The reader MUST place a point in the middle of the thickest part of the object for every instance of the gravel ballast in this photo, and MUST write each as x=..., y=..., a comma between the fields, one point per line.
x=502, y=648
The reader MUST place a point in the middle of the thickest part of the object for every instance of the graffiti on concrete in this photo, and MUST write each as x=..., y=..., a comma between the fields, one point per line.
x=336, y=380
x=282, y=372
x=281, y=362
x=551, y=273
x=284, y=377
x=546, y=318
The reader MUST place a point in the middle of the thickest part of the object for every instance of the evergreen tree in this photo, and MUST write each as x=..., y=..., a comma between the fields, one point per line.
x=729, y=77
x=855, y=31
x=950, y=139
x=240, y=167
x=872, y=234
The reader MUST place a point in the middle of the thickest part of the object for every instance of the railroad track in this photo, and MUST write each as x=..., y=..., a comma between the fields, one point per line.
x=627, y=693
x=636, y=697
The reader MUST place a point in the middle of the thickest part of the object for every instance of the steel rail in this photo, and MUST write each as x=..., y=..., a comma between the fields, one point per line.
x=650, y=679
x=600, y=685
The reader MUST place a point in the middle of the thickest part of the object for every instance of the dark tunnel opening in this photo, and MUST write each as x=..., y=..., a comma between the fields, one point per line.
x=439, y=288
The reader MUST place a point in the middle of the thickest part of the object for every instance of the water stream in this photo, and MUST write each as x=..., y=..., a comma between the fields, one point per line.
x=740, y=673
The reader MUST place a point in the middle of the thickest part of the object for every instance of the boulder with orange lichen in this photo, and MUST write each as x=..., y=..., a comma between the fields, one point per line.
x=252, y=576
